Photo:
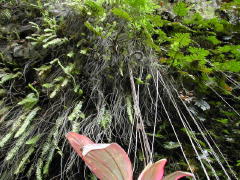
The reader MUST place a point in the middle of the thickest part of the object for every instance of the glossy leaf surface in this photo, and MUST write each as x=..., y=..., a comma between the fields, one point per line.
x=106, y=161
x=77, y=141
x=153, y=171
x=177, y=175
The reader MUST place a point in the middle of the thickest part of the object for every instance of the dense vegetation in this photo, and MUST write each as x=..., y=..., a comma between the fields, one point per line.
x=159, y=78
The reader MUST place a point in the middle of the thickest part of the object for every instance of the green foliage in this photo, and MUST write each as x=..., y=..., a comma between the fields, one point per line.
x=15, y=126
x=122, y=14
x=97, y=30
x=49, y=160
x=29, y=101
x=8, y=76
x=213, y=40
x=24, y=160
x=39, y=169
x=94, y=7
x=106, y=118
x=26, y=122
x=19, y=143
x=180, y=40
x=180, y=9
x=129, y=109
x=171, y=145
x=75, y=116
x=34, y=140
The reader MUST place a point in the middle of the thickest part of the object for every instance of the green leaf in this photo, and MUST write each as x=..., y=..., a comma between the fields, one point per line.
x=84, y=51
x=139, y=81
x=180, y=40
x=213, y=39
x=171, y=145
x=34, y=140
x=148, y=77
x=96, y=30
x=71, y=54
x=232, y=66
x=47, y=85
x=180, y=9
x=49, y=160
x=76, y=112
x=223, y=121
x=26, y=122
x=106, y=118
x=225, y=49
x=122, y=14
x=8, y=76
x=55, y=42
x=24, y=160
x=95, y=8
x=129, y=109
x=44, y=68
x=29, y=101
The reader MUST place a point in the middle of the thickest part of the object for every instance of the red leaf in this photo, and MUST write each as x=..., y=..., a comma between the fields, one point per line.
x=106, y=161
x=153, y=171
x=77, y=141
x=177, y=175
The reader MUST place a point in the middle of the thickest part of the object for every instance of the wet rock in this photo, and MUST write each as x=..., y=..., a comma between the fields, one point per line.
x=18, y=51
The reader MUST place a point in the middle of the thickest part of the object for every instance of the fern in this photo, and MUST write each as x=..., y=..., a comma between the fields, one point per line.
x=6, y=138
x=49, y=160
x=27, y=121
x=232, y=66
x=55, y=42
x=75, y=126
x=75, y=115
x=24, y=161
x=94, y=7
x=33, y=140
x=106, y=119
x=129, y=109
x=8, y=76
x=76, y=112
x=29, y=101
x=122, y=14
x=18, y=145
x=213, y=40
x=39, y=169
x=55, y=131
x=141, y=6
x=15, y=126
x=46, y=146
x=97, y=30
x=180, y=40
x=180, y=9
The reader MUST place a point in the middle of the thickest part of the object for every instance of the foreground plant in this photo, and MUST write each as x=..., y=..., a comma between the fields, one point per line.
x=111, y=162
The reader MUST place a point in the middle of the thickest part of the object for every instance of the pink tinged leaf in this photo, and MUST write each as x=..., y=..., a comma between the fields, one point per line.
x=153, y=171
x=77, y=141
x=108, y=161
x=177, y=175
x=90, y=147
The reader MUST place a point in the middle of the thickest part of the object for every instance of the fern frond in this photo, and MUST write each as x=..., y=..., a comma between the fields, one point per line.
x=129, y=109
x=14, y=127
x=49, y=160
x=27, y=121
x=18, y=145
x=76, y=112
x=24, y=160
x=39, y=169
